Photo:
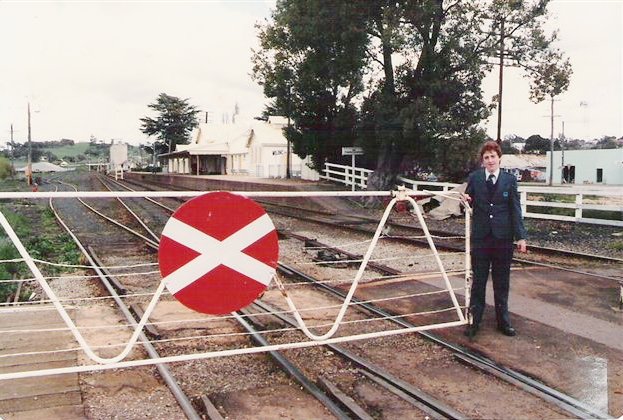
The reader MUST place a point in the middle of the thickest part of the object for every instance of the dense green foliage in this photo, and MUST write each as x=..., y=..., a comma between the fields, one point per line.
x=5, y=168
x=176, y=119
x=400, y=78
x=539, y=145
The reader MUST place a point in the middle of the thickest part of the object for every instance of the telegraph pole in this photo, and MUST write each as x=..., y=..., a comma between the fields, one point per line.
x=500, y=83
x=29, y=165
x=11, y=153
x=288, y=136
x=551, y=144
x=562, y=151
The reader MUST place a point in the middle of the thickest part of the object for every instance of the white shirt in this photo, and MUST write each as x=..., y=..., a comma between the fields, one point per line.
x=496, y=175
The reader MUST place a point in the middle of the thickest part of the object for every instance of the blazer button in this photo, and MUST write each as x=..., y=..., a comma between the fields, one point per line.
x=490, y=216
x=491, y=204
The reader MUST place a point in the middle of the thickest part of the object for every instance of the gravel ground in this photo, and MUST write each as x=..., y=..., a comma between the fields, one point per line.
x=577, y=237
x=136, y=393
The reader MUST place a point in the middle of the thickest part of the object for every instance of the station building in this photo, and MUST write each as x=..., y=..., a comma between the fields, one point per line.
x=598, y=166
x=250, y=147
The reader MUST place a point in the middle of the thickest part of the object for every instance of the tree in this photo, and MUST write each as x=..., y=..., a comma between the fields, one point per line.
x=514, y=138
x=550, y=78
x=176, y=119
x=6, y=169
x=539, y=145
x=607, y=142
x=310, y=64
x=507, y=148
x=316, y=55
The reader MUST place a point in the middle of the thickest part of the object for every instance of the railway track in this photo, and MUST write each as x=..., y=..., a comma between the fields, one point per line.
x=363, y=223
x=578, y=409
x=425, y=403
x=569, y=404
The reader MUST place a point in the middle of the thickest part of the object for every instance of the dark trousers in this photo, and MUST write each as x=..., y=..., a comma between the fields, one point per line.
x=495, y=255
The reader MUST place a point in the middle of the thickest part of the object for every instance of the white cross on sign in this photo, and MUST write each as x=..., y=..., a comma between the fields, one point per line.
x=217, y=255
x=214, y=253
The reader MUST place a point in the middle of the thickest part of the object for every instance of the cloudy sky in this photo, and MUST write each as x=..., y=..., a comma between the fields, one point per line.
x=91, y=68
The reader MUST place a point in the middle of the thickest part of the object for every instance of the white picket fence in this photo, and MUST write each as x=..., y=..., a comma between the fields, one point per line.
x=575, y=198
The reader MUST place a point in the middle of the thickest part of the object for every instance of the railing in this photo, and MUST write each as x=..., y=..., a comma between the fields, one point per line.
x=355, y=177
x=581, y=204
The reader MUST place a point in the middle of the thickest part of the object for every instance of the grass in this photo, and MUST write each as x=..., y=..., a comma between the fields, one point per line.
x=71, y=151
x=35, y=224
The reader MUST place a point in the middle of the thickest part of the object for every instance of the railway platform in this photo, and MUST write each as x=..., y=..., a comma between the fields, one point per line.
x=57, y=396
x=247, y=183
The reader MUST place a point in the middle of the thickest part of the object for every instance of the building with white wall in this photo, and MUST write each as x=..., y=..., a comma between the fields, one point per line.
x=598, y=166
x=118, y=156
x=248, y=147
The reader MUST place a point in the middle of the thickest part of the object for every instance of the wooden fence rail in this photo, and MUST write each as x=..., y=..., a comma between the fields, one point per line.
x=581, y=204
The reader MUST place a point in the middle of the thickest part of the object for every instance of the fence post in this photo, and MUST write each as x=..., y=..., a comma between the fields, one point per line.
x=523, y=198
x=353, y=174
x=578, y=207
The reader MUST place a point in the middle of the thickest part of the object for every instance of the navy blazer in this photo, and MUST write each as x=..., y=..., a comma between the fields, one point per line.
x=499, y=213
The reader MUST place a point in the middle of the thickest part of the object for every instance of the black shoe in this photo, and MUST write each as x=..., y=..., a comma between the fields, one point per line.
x=507, y=330
x=471, y=331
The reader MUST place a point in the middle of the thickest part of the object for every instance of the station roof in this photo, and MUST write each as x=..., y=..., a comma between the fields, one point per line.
x=234, y=138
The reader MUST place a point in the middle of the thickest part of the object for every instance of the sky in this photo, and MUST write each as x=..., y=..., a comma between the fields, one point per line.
x=91, y=68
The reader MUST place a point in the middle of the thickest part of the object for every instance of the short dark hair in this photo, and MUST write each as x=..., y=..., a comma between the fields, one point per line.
x=490, y=146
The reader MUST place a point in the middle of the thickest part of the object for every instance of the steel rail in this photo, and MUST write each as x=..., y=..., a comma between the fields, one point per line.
x=577, y=408
x=164, y=371
x=138, y=219
x=565, y=402
x=292, y=370
x=431, y=405
x=452, y=247
x=544, y=250
x=285, y=364
x=151, y=200
x=111, y=220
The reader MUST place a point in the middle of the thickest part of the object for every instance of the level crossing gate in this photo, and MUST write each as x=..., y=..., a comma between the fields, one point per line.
x=207, y=248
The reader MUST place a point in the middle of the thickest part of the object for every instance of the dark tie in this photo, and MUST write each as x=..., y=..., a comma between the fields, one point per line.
x=490, y=183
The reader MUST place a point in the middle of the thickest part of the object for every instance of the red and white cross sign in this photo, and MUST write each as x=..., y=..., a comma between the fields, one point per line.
x=218, y=252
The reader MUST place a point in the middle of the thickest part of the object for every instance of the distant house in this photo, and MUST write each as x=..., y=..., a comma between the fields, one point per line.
x=525, y=167
x=595, y=166
x=248, y=147
x=519, y=146
x=43, y=167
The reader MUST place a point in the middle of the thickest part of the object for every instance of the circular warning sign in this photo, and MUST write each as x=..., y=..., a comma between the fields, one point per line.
x=218, y=252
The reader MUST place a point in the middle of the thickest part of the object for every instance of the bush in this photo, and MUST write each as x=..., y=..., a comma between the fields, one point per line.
x=5, y=168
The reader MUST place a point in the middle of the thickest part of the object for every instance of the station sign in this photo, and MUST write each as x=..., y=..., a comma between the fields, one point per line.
x=352, y=151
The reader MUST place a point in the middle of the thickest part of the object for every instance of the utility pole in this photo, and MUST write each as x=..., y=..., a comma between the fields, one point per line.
x=562, y=151
x=288, y=138
x=500, y=82
x=11, y=153
x=551, y=144
x=29, y=165
x=551, y=140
